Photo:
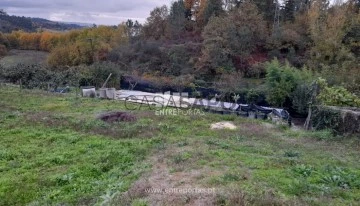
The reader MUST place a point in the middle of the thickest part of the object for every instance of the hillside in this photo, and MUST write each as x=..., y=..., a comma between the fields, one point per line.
x=243, y=72
x=14, y=23
x=53, y=150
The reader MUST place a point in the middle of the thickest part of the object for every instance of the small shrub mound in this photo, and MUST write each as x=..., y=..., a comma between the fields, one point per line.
x=112, y=117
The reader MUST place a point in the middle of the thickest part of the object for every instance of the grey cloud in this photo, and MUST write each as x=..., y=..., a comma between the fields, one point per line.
x=89, y=11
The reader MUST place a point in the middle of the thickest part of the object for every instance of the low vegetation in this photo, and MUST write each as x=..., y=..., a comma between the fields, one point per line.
x=300, y=55
x=55, y=151
x=219, y=45
x=25, y=57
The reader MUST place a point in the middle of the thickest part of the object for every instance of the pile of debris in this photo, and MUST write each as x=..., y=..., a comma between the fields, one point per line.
x=117, y=116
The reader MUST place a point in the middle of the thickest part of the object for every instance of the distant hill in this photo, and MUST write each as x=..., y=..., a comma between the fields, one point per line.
x=13, y=23
x=78, y=23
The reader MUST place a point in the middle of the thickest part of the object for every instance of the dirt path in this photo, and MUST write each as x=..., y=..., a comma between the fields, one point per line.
x=163, y=187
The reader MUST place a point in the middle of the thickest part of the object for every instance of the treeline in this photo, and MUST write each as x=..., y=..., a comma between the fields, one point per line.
x=71, y=48
x=15, y=23
x=222, y=43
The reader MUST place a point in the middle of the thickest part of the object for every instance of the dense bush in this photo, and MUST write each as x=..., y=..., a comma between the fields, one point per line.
x=254, y=96
x=97, y=73
x=339, y=120
x=38, y=76
x=287, y=82
x=4, y=41
x=336, y=96
x=256, y=70
x=324, y=118
x=302, y=97
x=29, y=76
x=4, y=45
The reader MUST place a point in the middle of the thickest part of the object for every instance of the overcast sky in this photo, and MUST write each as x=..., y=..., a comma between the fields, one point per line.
x=107, y=12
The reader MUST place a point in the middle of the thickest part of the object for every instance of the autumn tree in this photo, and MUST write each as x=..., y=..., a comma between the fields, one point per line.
x=49, y=40
x=156, y=24
x=249, y=29
x=13, y=39
x=235, y=36
x=4, y=45
x=195, y=10
x=30, y=41
x=327, y=30
x=216, y=52
x=331, y=53
x=4, y=41
x=188, y=8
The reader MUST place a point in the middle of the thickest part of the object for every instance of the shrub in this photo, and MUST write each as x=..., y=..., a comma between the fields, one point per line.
x=256, y=71
x=301, y=98
x=229, y=83
x=281, y=81
x=285, y=81
x=98, y=72
x=37, y=76
x=4, y=41
x=339, y=120
x=112, y=117
x=303, y=170
x=252, y=96
x=31, y=76
x=291, y=154
x=324, y=118
x=336, y=96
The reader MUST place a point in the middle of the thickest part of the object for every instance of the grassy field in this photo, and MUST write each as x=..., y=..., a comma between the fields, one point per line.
x=53, y=151
x=24, y=57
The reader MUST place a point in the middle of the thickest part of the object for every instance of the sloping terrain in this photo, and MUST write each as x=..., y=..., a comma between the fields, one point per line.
x=14, y=23
x=53, y=150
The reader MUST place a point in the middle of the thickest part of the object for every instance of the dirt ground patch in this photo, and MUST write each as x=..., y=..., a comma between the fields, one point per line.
x=223, y=125
x=162, y=186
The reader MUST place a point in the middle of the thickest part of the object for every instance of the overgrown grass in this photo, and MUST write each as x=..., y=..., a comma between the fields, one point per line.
x=54, y=151
x=23, y=57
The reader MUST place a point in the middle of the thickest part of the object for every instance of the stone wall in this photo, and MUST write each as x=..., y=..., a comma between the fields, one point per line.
x=344, y=121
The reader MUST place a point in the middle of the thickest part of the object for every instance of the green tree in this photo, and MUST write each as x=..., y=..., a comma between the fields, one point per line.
x=213, y=8
x=289, y=10
x=336, y=96
x=177, y=19
x=247, y=29
x=266, y=8
x=216, y=52
x=281, y=82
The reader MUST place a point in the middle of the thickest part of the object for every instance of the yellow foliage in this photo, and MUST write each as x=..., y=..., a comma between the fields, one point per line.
x=74, y=47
